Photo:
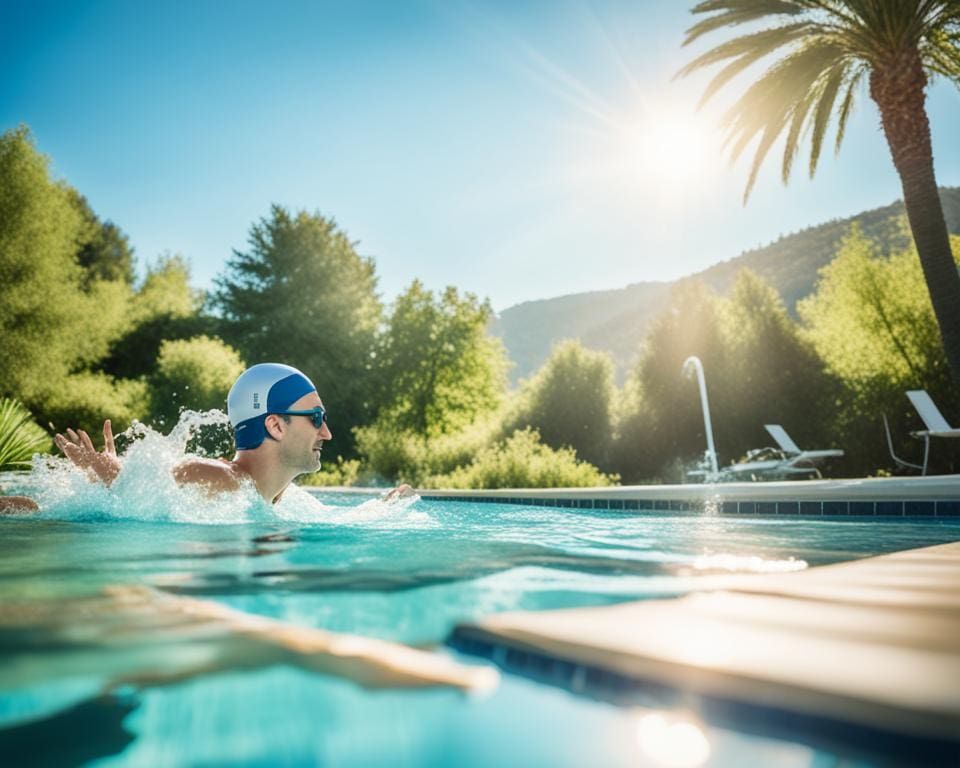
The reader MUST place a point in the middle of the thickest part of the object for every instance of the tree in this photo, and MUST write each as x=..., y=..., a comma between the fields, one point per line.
x=570, y=402
x=192, y=373
x=103, y=250
x=302, y=295
x=832, y=45
x=438, y=369
x=871, y=322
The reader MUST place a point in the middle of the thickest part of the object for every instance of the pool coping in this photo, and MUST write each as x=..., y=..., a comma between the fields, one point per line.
x=933, y=496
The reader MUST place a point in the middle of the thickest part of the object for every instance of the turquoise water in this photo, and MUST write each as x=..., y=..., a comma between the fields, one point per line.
x=86, y=679
x=407, y=572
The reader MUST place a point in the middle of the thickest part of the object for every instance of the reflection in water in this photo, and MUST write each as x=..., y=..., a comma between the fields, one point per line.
x=672, y=740
x=73, y=736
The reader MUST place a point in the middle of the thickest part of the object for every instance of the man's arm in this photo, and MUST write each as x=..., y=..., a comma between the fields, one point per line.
x=213, y=476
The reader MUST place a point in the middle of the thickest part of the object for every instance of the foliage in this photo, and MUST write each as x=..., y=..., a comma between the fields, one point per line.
x=193, y=374
x=437, y=368
x=302, y=295
x=84, y=400
x=522, y=461
x=164, y=307
x=20, y=436
x=872, y=323
x=103, y=250
x=393, y=455
x=570, y=402
x=758, y=371
x=343, y=472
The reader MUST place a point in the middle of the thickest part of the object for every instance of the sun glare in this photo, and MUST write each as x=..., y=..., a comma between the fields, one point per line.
x=671, y=149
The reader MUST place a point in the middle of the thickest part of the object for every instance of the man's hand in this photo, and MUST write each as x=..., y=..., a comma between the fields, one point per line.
x=400, y=492
x=78, y=447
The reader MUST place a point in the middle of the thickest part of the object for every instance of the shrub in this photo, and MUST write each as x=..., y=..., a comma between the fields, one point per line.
x=341, y=472
x=20, y=436
x=522, y=461
x=192, y=373
x=84, y=400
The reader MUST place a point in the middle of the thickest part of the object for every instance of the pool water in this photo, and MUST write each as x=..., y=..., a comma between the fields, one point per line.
x=407, y=572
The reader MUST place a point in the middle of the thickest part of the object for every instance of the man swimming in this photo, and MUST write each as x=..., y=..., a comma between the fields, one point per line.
x=280, y=426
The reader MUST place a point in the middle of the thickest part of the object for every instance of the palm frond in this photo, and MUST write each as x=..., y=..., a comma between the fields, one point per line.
x=846, y=106
x=821, y=118
x=733, y=12
x=20, y=436
x=792, y=144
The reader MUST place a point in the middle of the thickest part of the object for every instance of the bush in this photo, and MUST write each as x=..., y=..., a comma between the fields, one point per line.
x=394, y=455
x=20, y=436
x=342, y=472
x=192, y=373
x=522, y=461
x=84, y=400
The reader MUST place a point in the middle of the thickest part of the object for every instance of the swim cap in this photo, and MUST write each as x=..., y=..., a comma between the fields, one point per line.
x=263, y=389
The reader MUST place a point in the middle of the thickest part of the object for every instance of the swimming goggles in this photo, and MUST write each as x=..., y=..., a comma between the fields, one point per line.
x=317, y=415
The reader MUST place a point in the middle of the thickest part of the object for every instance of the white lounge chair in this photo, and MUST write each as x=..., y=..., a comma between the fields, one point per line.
x=936, y=425
x=785, y=462
x=897, y=460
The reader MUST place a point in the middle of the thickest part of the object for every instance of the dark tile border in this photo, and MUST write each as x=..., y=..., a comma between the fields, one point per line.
x=825, y=508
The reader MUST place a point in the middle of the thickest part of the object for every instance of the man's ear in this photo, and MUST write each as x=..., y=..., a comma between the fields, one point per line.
x=274, y=425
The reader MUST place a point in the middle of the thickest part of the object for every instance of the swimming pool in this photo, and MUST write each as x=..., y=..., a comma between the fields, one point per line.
x=406, y=572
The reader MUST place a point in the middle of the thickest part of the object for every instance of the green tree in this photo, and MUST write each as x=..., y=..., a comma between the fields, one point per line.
x=300, y=294
x=103, y=250
x=193, y=374
x=570, y=402
x=831, y=47
x=871, y=321
x=438, y=369
x=165, y=307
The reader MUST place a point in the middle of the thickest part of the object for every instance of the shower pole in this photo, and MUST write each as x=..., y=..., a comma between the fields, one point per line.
x=693, y=363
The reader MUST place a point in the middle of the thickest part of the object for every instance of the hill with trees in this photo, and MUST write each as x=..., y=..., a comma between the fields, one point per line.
x=616, y=321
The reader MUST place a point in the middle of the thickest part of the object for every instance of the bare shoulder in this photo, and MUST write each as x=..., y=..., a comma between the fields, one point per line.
x=214, y=475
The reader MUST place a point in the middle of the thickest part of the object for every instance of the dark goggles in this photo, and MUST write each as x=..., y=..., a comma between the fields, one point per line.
x=317, y=415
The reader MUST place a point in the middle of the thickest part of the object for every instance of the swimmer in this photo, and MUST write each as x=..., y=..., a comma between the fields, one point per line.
x=280, y=426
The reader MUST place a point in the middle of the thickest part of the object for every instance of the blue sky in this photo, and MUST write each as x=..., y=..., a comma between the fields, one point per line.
x=518, y=150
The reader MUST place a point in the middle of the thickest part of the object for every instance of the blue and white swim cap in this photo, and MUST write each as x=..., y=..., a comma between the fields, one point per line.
x=263, y=389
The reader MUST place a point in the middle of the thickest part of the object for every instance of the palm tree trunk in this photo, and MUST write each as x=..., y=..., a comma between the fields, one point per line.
x=897, y=86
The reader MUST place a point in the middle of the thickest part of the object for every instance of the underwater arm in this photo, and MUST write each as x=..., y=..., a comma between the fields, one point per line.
x=77, y=446
x=16, y=505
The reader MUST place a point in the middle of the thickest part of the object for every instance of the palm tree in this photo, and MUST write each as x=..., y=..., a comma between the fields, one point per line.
x=826, y=48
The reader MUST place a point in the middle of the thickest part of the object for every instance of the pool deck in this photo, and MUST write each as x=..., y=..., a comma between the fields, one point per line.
x=864, y=653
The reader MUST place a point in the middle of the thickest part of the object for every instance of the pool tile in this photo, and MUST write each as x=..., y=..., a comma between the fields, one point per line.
x=836, y=508
x=748, y=507
x=601, y=504
x=919, y=508
x=892, y=508
x=766, y=507
x=632, y=504
x=861, y=508
x=661, y=504
x=948, y=508
x=728, y=508
x=616, y=503
x=811, y=508
x=788, y=508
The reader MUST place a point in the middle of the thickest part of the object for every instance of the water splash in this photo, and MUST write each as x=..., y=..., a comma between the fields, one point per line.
x=747, y=564
x=145, y=490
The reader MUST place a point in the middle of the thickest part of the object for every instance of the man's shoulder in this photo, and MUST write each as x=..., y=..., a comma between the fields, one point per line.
x=215, y=474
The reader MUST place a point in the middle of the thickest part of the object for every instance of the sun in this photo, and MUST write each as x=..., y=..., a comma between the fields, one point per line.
x=671, y=148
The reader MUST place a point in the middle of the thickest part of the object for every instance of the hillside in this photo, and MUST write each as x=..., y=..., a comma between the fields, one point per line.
x=615, y=321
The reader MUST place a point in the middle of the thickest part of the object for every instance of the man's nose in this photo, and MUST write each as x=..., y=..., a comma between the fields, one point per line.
x=325, y=433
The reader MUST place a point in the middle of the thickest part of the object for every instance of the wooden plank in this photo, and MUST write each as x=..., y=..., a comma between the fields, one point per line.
x=874, y=642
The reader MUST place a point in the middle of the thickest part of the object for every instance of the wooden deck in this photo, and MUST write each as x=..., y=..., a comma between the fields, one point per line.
x=872, y=646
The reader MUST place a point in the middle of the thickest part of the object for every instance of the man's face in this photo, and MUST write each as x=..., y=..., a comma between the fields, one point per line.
x=302, y=442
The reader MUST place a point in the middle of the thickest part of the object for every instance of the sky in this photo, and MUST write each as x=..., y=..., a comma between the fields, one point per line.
x=518, y=150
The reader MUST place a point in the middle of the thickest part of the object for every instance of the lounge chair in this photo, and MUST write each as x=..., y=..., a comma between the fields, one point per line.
x=936, y=425
x=787, y=461
x=897, y=460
